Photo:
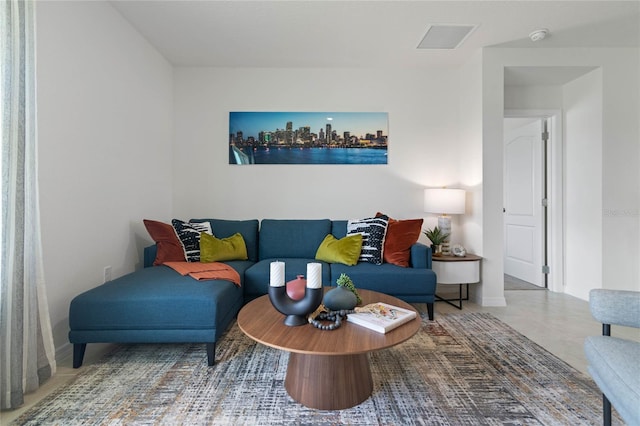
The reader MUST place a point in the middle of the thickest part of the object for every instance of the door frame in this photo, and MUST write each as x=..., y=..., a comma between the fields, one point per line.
x=555, y=192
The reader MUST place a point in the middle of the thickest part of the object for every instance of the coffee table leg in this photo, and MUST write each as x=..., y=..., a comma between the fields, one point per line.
x=328, y=382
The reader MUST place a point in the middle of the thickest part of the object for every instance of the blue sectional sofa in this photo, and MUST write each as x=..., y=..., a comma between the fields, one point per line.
x=158, y=305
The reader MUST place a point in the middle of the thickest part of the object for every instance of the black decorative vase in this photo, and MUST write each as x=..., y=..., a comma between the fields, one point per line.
x=340, y=298
x=296, y=311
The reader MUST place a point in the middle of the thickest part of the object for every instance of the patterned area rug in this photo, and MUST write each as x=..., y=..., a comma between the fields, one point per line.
x=462, y=369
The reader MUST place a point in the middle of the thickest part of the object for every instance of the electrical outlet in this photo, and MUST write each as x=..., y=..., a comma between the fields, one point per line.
x=107, y=273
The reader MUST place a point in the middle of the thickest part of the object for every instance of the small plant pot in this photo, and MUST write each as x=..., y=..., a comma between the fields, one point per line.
x=436, y=250
x=340, y=298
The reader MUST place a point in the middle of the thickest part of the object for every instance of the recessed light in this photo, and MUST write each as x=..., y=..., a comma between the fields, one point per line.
x=445, y=36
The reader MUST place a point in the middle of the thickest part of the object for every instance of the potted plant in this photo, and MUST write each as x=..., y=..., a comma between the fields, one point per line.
x=345, y=281
x=344, y=296
x=437, y=238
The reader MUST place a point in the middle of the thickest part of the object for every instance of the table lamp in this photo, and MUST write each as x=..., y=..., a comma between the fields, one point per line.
x=444, y=201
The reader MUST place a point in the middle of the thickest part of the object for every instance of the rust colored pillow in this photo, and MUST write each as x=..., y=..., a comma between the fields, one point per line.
x=167, y=242
x=401, y=235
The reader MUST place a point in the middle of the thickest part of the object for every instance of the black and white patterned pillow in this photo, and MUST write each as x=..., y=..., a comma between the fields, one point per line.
x=189, y=235
x=373, y=231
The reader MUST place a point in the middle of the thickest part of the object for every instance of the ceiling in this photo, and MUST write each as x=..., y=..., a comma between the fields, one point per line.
x=326, y=33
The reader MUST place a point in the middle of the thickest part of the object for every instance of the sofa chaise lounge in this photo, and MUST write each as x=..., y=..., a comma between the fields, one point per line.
x=158, y=305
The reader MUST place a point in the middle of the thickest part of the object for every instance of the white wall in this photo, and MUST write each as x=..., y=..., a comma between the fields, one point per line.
x=470, y=160
x=492, y=180
x=470, y=152
x=621, y=170
x=533, y=97
x=423, y=142
x=583, y=183
x=104, y=130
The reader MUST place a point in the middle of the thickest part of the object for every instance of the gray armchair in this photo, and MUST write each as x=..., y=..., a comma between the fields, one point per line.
x=614, y=363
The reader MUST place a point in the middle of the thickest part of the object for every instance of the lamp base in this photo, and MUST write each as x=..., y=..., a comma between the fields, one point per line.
x=446, y=249
x=444, y=223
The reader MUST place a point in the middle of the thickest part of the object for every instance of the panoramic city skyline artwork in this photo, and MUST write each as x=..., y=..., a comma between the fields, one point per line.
x=308, y=137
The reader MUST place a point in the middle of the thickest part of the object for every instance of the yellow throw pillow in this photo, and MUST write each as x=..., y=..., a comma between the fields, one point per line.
x=345, y=250
x=214, y=249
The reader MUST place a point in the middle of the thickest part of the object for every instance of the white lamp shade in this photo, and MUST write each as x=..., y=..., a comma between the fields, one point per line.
x=444, y=201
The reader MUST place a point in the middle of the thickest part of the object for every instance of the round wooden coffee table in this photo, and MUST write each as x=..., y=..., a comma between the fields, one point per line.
x=327, y=370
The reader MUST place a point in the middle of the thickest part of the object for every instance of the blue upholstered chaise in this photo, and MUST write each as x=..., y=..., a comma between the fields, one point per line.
x=157, y=305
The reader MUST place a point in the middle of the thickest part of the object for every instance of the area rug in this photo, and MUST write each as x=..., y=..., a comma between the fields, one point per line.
x=462, y=369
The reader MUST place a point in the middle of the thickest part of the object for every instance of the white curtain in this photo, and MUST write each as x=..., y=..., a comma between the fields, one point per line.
x=27, y=354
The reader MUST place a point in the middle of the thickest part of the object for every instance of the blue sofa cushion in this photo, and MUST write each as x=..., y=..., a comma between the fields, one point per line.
x=389, y=279
x=339, y=228
x=155, y=298
x=281, y=239
x=256, y=279
x=240, y=266
x=226, y=228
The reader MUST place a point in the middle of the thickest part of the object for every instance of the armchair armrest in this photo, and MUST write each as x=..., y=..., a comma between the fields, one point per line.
x=620, y=307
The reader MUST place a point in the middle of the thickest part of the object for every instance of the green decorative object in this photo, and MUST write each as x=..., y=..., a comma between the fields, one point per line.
x=344, y=281
x=436, y=236
x=214, y=249
x=345, y=250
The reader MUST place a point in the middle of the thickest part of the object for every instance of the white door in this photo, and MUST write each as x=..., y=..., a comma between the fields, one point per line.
x=523, y=212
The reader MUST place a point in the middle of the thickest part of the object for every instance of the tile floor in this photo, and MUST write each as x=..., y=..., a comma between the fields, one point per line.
x=555, y=321
x=513, y=283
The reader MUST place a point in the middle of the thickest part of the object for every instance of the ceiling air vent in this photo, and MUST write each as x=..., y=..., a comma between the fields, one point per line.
x=445, y=36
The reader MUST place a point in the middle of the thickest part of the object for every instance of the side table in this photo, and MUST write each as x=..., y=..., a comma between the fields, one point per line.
x=457, y=270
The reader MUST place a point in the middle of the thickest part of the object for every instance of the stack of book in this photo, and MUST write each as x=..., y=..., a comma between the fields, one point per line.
x=381, y=317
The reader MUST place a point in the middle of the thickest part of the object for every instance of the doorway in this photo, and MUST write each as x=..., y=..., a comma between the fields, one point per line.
x=535, y=156
x=525, y=200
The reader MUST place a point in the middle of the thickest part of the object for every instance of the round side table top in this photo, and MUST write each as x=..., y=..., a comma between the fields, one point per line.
x=446, y=258
x=260, y=321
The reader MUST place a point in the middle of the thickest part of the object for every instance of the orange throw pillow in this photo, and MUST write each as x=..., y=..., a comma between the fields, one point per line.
x=167, y=242
x=401, y=235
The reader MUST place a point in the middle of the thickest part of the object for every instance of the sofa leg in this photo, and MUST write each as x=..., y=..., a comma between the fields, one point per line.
x=211, y=353
x=430, y=310
x=78, y=354
x=606, y=411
